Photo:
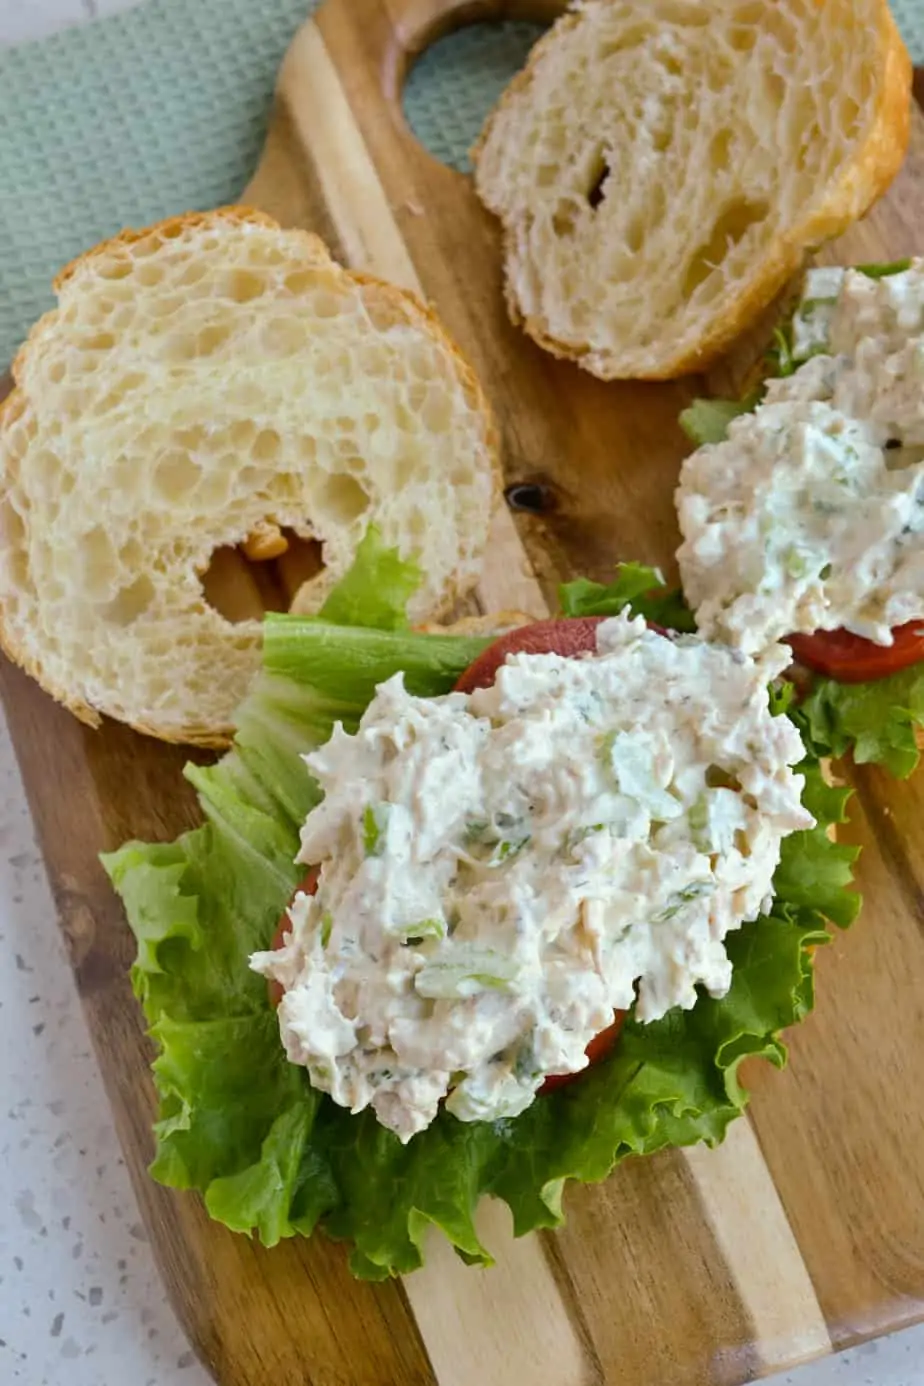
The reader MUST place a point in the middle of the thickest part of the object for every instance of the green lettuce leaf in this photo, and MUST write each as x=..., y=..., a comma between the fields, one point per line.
x=636, y=586
x=815, y=873
x=707, y=420
x=376, y=590
x=274, y=1158
x=884, y=271
x=875, y=721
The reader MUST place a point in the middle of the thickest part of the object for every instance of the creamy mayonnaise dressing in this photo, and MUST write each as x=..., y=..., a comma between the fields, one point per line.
x=499, y=869
x=810, y=515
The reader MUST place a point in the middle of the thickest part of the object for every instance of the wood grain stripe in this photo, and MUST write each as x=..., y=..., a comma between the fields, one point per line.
x=751, y=1228
x=647, y=1281
x=838, y=1127
x=350, y=184
x=505, y=1325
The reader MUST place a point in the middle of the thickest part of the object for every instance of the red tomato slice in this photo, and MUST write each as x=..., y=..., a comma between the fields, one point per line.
x=600, y=1046
x=851, y=659
x=306, y=886
x=569, y=635
x=572, y=635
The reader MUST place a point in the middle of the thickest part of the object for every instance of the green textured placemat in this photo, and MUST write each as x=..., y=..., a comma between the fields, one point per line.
x=164, y=109
x=909, y=16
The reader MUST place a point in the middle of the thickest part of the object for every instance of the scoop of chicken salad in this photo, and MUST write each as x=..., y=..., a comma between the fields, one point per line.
x=501, y=870
x=810, y=515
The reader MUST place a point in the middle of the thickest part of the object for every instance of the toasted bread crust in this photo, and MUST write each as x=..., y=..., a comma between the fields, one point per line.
x=165, y=230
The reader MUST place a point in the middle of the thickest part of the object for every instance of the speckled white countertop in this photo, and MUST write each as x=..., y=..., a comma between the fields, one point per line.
x=81, y=1303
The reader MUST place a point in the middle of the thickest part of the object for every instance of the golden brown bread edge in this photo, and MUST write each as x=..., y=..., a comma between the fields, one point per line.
x=406, y=304
x=871, y=173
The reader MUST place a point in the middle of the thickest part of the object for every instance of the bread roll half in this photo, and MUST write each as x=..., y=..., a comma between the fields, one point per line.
x=661, y=166
x=207, y=383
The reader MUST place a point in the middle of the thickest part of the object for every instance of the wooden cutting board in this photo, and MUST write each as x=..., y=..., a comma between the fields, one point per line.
x=806, y=1229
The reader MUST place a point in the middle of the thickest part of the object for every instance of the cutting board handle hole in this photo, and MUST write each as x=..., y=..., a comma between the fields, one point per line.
x=457, y=80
